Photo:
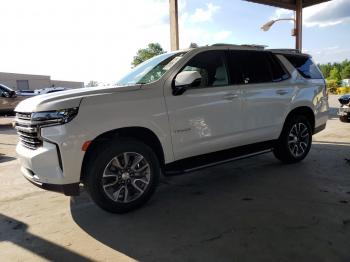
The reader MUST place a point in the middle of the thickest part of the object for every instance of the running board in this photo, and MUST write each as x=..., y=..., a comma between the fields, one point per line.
x=217, y=158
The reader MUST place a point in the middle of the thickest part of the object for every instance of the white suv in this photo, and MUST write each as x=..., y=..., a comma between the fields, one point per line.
x=176, y=112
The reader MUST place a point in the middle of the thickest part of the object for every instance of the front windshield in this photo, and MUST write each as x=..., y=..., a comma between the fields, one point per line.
x=151, y=70
x=5, y=88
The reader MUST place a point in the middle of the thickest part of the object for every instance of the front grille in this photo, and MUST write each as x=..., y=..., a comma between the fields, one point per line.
x=28, y=131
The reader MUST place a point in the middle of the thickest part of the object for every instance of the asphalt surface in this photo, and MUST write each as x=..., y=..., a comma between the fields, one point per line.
x=255, y=209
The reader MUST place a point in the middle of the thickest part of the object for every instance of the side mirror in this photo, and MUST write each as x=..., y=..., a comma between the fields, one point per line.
x=184, y=80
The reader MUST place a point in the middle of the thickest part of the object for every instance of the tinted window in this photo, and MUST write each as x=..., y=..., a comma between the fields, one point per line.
x=253, y=67
x=277, y=71
x=5, y=88
x=211, y=65
x=305, y=66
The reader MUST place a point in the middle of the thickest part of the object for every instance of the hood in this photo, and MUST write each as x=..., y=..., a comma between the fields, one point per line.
x=67, y=99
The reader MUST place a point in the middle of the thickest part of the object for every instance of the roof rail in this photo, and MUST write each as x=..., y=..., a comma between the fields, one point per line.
x=297, y=51
x=223, y=44
x=244, y=45
x=255, y=46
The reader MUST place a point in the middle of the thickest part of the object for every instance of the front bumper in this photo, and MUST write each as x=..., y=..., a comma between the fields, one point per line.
x=67, y=189
x=42, y=167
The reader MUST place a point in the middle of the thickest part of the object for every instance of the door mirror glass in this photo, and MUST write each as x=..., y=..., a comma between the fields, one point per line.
x=184, y=80
x=187, y=78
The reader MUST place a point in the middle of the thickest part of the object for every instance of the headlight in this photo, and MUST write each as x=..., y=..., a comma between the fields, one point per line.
x=57, y=117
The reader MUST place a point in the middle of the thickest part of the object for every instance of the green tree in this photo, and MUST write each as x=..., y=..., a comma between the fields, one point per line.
x=345, y=72
x=193, y=45
x=153, y=49
x=325, y=69
x=332, y=86
x=335, y=74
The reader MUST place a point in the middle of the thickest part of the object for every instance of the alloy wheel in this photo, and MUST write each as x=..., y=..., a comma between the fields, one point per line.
x=298, y=139
x=126, y=177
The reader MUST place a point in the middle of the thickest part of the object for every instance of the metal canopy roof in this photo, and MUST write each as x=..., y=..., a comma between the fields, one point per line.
x=288, y=4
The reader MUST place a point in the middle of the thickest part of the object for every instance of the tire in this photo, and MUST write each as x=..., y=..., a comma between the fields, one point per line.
x=123, y=176
x=295, y=140
x=344, y=119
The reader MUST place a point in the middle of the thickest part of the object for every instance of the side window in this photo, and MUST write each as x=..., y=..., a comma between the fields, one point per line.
x=254, y=66
x=305, y=66
x=257, y=68
x=211, y=66
x=278, y=72
x=235, y=60
x=2, y=90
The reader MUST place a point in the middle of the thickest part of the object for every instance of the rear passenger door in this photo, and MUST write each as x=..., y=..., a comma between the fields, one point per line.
x=266, y=94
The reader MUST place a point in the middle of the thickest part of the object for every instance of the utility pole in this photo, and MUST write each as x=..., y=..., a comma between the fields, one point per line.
x=174, y=25
x=298, y=24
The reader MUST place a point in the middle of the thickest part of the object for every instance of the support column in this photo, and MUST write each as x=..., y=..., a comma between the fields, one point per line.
x=299, y=24
x=174, y=25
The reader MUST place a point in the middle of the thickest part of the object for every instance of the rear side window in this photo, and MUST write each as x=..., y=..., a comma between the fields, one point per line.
x=253, y=67
x=305, y=66
x=277, y=71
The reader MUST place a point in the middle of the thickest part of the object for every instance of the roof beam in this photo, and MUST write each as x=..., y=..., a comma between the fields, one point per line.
x=276, y=3
x=287, y=4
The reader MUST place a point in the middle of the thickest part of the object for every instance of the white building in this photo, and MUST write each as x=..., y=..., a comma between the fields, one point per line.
x=345, y=82
x=32, y=82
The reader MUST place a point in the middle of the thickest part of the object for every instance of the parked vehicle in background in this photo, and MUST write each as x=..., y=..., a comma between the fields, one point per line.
x=49, y=90
x=41, y=91
x=344, y=109
x=8, y=99
x=175, y=113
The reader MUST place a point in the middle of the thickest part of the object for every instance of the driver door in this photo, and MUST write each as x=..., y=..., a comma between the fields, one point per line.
x=201, y=119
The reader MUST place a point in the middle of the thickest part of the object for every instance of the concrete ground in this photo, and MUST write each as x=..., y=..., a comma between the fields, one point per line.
x=250, y=210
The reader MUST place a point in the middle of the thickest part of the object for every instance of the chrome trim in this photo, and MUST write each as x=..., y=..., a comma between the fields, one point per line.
x=28, y=131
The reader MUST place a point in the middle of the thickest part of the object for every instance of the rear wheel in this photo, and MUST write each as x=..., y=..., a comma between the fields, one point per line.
x=344, y=118
x=295, y=140
x=123, y=176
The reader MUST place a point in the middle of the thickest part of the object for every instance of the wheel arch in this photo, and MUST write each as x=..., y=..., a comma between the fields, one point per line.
x=303, y=111
x=142, y=134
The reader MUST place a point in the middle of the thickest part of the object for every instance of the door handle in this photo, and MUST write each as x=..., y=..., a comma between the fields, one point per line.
x=230, y=96
x=281, y=92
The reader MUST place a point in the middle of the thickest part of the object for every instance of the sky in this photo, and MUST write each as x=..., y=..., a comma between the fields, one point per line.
x=85, y=40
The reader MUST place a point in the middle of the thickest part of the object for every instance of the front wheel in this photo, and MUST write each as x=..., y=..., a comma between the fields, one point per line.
x=295, y=140
x=123, y=176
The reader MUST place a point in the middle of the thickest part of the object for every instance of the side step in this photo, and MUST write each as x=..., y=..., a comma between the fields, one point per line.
x=217, y=158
